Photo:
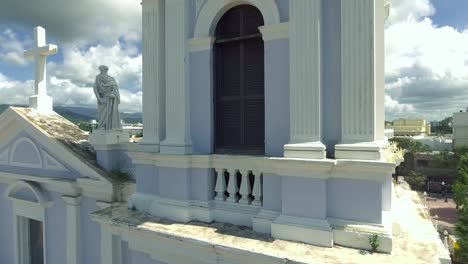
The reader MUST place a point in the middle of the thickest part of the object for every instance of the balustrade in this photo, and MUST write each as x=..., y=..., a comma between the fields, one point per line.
x=239, y=186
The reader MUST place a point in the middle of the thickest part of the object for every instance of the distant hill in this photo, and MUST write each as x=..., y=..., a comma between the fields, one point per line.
x=83, y=114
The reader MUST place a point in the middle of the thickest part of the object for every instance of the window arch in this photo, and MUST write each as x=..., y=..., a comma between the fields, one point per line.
x=239, y=90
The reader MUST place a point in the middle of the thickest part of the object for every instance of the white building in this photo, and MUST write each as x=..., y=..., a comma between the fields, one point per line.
x=460, y=129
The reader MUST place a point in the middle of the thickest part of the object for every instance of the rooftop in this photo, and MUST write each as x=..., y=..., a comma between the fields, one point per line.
x=415, y=239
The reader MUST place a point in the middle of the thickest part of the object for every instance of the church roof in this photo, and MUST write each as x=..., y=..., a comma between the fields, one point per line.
x=64, y=132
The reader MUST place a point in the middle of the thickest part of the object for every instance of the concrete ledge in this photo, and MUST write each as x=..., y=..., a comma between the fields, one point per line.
x=360, y=151
x=309, y=150
x=352, y=239
x=261, y=223
x=312, y=231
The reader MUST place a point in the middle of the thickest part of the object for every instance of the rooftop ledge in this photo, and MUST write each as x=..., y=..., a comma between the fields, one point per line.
x=415, y=239
x=313, y=168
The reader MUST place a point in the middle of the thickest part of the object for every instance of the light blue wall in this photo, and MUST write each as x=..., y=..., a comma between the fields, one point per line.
x=6, y=228
x=147, y=179
x=115, y=160
x=304, y=197
x=355, y=200
x=174, y=183
x=90, y=232
x=331, y=74
x=202, y=184
x=56, y=230
x=25, y=194
x=283, y=8
x=141, y=258
x=201, y=102
x=272, y=192
x=276, y=96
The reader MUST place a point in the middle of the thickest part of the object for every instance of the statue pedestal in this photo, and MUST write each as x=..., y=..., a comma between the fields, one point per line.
x=101, y=137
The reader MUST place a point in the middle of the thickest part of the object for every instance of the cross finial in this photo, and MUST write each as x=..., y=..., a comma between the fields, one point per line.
x=40, y=101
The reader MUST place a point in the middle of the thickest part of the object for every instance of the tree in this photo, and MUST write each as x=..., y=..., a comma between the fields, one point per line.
x=416, y=180
x=411, y=148
x=461, y=230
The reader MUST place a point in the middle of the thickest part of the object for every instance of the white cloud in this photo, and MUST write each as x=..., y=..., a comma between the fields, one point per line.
x=11, y=48
x=78, y=21
x=426, y=65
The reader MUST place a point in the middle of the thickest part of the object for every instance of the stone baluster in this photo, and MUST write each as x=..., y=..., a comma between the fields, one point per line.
x=233, y=188
x=257, y=189
x=245, y=188
x=220, y=187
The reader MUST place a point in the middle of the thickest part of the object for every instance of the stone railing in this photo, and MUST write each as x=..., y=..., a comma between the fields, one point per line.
x=238, y=186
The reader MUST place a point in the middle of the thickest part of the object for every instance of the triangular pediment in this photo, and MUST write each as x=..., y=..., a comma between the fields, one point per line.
x=30, y=149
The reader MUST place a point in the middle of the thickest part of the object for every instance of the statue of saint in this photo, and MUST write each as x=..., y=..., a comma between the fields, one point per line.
x=108, y=100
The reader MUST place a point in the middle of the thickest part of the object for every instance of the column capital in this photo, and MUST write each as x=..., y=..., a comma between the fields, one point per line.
x=72, y=200
x=275, y=31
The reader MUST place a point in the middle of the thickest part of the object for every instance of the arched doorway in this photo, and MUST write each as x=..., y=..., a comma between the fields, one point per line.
x=239, y=90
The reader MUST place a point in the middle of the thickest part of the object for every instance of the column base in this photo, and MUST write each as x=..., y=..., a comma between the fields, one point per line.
x=361, y=151
x=42, y=103
x=102, y=137
x=150, y=147
x=306, y=150
x=174, y=147
x=311, y=231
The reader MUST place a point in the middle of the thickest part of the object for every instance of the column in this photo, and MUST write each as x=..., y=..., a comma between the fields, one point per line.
x=73, y=228
x=110, y=247
x=177, y=96
x=153, y=74
x=362, y=74
x=305, y=80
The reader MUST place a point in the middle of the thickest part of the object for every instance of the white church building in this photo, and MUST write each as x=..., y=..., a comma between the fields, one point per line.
x=263, y=122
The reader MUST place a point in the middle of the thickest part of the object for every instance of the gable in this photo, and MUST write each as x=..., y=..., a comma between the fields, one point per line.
x=24, y=155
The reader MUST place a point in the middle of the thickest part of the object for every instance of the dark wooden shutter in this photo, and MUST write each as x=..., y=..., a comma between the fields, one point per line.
x=239, y=83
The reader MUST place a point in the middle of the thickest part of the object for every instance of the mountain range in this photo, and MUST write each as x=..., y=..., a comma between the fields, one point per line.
x=83, y=114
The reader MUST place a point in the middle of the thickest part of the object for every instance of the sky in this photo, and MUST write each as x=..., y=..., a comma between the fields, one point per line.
x=426, y=53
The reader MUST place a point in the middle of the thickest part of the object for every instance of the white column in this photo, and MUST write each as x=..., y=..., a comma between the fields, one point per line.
x=305, y=80
x=73, y=229
x=220, y=187
x=245, y=188
x=153, y=75
x=232, y=188
x=177, y=96
x=362, y=78
x=257, y=189
x=110, y=247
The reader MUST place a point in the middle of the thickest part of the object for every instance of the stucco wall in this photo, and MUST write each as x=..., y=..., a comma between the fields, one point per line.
x=90, y=233
x=56, y=230
x=6, y=228
x=358, y=200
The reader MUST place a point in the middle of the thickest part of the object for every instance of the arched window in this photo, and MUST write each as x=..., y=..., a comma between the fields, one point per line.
x=239, y=94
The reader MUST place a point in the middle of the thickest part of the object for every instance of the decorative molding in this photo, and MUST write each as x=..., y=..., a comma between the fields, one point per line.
x=50, y=163
x=66, y=187
x=22, y=211
x=26, y=140
x=213, y=10
x=274, y=32
x=4, y=156
x=200, y=44
x=285, y=167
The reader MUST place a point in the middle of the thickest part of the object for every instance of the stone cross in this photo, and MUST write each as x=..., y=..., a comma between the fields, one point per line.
x=40, y=101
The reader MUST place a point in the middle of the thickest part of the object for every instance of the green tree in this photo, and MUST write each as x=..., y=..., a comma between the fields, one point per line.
x=461, y=230
x=416, y=180
x=411, y=148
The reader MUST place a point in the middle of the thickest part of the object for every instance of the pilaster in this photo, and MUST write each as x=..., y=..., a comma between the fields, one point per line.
x=153, y=75
x=305, y=80
x=73, y=229
x=362, y=74
x=110, y=247
x=177, y=96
